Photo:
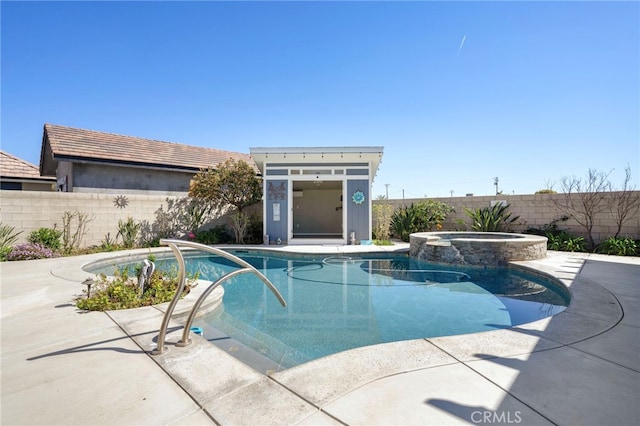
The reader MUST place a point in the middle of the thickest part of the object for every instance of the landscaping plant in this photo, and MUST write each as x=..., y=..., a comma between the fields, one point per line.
x=8, y=236
x=563, y=241
x=619, y=246
x=31, y=251
x=46, y=237
x=128, y=231
x=122, y=291
x=419, y=217
x=491, y=219
x=72, y=235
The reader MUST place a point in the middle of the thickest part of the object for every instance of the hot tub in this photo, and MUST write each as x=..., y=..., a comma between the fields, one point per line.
x=476, y=248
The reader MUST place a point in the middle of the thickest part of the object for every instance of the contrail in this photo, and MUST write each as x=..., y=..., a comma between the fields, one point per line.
x=461, y=44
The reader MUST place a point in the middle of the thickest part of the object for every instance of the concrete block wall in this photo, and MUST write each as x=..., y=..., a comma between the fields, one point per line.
x=29, y=211
x=534, y=211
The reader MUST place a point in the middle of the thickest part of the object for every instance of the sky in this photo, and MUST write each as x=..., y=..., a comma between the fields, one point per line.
x=457, y=93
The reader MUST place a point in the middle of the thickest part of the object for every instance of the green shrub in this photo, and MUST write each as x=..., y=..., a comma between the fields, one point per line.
x=421, y=217
x=491, y=219
x=47, y=237
x=128, y=231
x=382, y=214
x=8, y=236
x=619, y=246
x=217, y=235
x=563, y=241
x=123, y=292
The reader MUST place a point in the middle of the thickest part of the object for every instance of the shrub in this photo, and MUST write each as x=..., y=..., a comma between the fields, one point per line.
x=491, y=219
x=47, y=237
x=563, y=241
x=618, y=246
x=123, y=292
x=30, y=251
x=8, y=236
x=549, y=228
x=128, y=231
x=420, y=217
x=382, y=214
x=217, y=235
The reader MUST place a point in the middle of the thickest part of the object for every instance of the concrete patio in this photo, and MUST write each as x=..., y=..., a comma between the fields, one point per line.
x=62, y=366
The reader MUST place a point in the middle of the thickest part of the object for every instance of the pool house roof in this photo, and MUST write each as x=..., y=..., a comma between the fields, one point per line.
x=318, y=155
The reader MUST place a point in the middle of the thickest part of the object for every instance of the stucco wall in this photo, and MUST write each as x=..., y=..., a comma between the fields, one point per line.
x=96, y=178
x=534, y=211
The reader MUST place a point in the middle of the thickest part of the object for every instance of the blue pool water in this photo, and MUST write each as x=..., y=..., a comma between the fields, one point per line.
x=337, y=303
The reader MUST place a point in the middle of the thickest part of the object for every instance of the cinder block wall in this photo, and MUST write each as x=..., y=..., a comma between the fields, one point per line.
x=30, y=210
x=534, y=211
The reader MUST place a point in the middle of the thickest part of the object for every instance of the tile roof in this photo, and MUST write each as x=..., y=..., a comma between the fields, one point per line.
x=14, y=167
x=89, y=145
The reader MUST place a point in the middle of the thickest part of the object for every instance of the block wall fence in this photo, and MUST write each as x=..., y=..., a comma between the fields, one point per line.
x=30, y=210
x=534, y=211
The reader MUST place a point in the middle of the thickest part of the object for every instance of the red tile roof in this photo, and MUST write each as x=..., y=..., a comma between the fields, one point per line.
x=14, y=167
x=89, y=145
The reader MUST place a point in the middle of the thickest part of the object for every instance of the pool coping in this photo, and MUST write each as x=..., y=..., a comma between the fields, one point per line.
x=327, y=375
x=329, y=390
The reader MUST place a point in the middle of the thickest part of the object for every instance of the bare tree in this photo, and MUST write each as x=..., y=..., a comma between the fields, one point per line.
x=583, y=199
x=626, y=202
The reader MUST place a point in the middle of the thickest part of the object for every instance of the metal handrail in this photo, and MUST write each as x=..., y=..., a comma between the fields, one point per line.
x=182, y=274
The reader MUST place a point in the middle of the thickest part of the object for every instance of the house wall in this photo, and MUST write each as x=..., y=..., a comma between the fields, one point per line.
x=534, y=211
x=98, y=178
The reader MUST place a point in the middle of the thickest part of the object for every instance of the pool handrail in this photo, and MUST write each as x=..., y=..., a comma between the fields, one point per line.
x=175, y=245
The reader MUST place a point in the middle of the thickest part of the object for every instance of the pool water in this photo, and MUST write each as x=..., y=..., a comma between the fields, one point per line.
x=337, y=303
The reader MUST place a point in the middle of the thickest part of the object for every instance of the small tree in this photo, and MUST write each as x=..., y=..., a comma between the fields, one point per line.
x=382, y=213
x=625, y=204
x=234, y=184
x=583, y=199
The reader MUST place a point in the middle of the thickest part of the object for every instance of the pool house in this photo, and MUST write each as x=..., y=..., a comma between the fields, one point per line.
x=317, y=195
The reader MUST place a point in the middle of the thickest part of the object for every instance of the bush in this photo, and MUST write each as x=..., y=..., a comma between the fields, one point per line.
x=420, y=217
x=47, y=237
x=619, y=246
x=382, y=214
x=128, y=231
x=563, y=241
x=491, y=219
x=217, y=235
x=30, y=251
x=8, y=236
x=123, y=292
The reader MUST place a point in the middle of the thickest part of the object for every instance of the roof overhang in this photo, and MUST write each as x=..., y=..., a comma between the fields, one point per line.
x=318, y=155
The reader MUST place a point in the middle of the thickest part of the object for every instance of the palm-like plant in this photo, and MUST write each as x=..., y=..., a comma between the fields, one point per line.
x=491, y=219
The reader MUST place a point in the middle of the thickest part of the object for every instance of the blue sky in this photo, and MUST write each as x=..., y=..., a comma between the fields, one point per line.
x=458, y=93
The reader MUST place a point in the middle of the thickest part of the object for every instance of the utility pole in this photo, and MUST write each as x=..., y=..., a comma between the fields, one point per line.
x=386, y=185
x=495, y=182
x=451, y=191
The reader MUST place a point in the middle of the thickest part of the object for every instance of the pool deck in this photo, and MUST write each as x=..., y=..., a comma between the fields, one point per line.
x=63, y=366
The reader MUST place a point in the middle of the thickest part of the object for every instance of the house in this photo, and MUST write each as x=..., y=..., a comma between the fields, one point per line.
x=20, y=175
x=90, y=161
x=311, y=195
x=317, y=195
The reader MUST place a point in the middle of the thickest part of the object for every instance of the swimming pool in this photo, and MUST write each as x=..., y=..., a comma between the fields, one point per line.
x=336, y=303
